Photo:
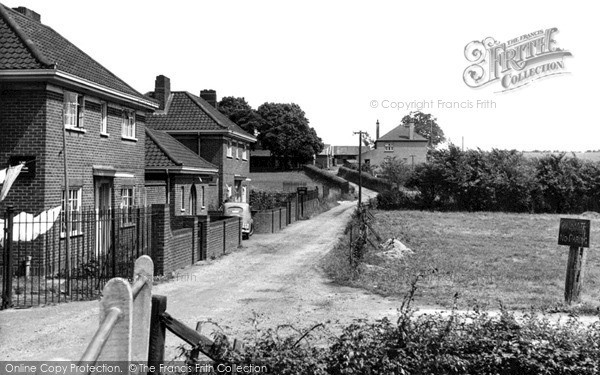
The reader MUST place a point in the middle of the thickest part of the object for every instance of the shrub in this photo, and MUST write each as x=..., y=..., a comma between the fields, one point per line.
x=396, y=199
x=328, y=178
x=266, y=200
x=368, y=181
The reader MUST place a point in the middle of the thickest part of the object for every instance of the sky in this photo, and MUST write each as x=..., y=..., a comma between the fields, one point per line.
x=349, y=63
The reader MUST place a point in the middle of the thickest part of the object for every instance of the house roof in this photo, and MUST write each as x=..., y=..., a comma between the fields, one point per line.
x=345, y=150
x=165, y=152
x=326, y=150
x=401, y=133
x=188, y=112
x=28, y=45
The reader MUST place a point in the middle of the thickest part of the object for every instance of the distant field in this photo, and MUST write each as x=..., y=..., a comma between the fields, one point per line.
x=274, y=181
x=593, y=156
x=485, y=257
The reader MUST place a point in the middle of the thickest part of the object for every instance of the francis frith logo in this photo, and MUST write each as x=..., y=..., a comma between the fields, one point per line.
x=515, y=63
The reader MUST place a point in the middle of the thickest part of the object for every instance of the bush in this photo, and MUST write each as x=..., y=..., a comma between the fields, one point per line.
x=368, y=181
x=328, y=178
x=396, y=199
x=501, y=180
x=471, y=343
x=266, y=200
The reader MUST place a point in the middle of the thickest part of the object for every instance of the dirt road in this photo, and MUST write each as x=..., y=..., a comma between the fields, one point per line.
x=275, y=276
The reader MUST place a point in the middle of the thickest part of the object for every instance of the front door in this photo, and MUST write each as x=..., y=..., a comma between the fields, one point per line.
x=103, y=205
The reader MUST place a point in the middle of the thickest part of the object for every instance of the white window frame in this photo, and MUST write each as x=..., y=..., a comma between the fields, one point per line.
x=244, y=152
x=104, y=118
x=229, y=150
x=389, y=147
x=182, y=199
x=127, y=205
x=237, y=150
x=128, y=125
x=75, y=212
x=74, y=110
x=202, y=198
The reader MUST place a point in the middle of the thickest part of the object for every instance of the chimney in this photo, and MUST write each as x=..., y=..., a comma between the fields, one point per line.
x=377, y=130
x=162, y=90
x=29, y=14
x=411, y=131
x=210, y=96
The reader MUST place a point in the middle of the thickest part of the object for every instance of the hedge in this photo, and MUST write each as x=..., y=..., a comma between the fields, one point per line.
x=368, y=181
x=327, y=177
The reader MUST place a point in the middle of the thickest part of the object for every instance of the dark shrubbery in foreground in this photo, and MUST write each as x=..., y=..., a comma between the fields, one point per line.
x=327, y=177
x=475, y=343
x=266, y=200
x=501, y=180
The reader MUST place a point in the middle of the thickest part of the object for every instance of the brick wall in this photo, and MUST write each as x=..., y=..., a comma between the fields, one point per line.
x=179, y=241
x=32, y=124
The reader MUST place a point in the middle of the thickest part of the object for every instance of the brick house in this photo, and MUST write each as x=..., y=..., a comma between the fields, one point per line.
x=401, y=142
x=49, y=87
x=196, y=122
x=178, y=177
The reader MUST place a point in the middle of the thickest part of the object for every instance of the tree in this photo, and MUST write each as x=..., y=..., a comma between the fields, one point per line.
x=284, y=130
x=240, y=112
x=425, y=125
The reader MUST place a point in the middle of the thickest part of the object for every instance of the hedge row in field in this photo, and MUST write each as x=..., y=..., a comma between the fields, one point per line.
x=500, y=180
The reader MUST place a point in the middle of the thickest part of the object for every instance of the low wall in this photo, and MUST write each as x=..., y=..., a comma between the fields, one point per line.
x=184, y=240
x=300, y=207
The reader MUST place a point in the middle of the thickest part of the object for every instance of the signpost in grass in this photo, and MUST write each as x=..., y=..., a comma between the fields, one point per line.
x=574, y=233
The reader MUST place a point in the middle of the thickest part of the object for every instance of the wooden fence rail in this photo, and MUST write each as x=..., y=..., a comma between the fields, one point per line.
x=133, y=323
x=124, y=318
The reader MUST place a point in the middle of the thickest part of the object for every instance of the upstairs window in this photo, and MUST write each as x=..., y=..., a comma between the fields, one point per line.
x=128, y=124
x=74, y=108
x=389, y=147
x=104, y=118
x=229, y=150
x=244, y=152
x=237, y=150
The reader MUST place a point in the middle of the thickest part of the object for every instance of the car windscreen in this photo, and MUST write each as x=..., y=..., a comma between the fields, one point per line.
x=234, y=210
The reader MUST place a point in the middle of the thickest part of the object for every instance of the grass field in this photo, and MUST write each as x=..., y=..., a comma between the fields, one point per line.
x=484, y=257
x=593, y=156
x=274, y=181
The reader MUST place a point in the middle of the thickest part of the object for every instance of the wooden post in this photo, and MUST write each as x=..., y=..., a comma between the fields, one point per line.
x=142, y=305
x=117, y=294
x=156, y=348
x=575, y=273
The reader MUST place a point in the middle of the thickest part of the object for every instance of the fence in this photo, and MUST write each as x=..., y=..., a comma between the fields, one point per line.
x=37, y=269
x=298, y=206
x=133, y=325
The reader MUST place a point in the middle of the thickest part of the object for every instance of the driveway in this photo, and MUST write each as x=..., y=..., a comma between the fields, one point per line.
x=275, y=277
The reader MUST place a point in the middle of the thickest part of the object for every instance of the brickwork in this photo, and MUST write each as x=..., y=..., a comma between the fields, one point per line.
x=32, y=125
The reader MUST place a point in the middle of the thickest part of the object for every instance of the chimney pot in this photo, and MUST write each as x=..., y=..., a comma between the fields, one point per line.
x=210, y=96
x=162, y=90
x=29, y=14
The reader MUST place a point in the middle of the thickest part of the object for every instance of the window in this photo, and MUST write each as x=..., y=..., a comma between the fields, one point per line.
x=127, y=199
x=128, y=125
x=229, y=150
x=202, y=198
x=75, y=212
x=389, y=147
x=244, y=152
x=104, y=118
x=74, y=108
x=237, y=150
x=182, y=199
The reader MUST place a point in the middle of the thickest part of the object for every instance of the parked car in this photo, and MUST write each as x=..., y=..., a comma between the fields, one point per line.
x=242, y=210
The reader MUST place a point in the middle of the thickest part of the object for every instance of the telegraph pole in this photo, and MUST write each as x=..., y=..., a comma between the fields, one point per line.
x=360, y=133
